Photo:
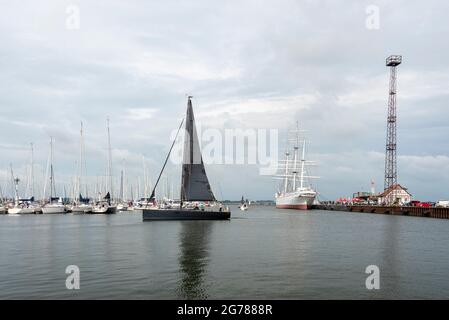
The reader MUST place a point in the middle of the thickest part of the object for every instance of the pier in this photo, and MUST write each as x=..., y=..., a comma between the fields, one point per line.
x=432, y=212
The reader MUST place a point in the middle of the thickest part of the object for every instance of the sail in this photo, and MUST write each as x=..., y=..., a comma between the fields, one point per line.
x=195, y=184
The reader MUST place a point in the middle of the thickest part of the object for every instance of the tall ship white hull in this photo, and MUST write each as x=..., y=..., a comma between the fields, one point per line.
x=295, y=200
x=296, y=192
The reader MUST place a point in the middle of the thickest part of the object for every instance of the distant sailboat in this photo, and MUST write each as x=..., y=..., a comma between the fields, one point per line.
x=20, y=206
x=243, y=204
x=81, y=205
x=106, y=204
x=55, y=204
x=197, y=199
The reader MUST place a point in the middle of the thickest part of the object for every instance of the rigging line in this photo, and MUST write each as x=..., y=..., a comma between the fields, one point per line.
x=166, y=160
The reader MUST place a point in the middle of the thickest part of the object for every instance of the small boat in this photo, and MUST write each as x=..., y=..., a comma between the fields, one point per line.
x=197, y=202
x=21, y=206
x=104, y=206
x=54, y=208
x=104, y=209
x=81, y=208
x=243, y=204
x=21, y=210
x=122, y=207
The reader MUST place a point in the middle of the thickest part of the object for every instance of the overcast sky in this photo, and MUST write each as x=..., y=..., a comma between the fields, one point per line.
x=248, y=64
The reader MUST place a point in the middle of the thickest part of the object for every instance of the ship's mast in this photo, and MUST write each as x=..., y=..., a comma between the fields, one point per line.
x=303, y=160
x=287, y=154
x=295, y=161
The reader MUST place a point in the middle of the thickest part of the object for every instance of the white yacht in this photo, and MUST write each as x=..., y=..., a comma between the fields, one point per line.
x=51, y=208
x=20, y=206
x=81, y=208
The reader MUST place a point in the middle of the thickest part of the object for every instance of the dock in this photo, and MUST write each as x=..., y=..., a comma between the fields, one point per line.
x=432, y=212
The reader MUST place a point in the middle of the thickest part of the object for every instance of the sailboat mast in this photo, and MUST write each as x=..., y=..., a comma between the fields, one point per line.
x=52, y=183
x=121, y=186
x=80, y=166
x=110, y=162
x=145, y=183
x=32, y=171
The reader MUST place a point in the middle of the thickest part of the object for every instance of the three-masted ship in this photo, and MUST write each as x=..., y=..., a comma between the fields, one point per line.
x=197, y=201
x=296, y=192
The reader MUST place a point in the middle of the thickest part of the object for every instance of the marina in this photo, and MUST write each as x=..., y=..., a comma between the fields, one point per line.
x=284, y=150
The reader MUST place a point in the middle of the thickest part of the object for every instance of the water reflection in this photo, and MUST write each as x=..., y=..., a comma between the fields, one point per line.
x=391, y=258
x=193, y=258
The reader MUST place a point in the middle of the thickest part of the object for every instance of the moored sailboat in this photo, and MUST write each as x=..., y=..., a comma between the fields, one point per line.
x=55, y=204
x=197, y=199
x=81, y=205
x=106, y=205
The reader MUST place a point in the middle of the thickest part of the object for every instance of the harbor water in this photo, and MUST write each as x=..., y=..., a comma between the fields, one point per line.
x=263, y=253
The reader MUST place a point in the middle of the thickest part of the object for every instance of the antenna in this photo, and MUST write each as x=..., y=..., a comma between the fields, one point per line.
x=391, y=178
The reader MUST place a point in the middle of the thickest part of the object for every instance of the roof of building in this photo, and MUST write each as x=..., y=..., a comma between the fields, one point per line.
x=393, y=187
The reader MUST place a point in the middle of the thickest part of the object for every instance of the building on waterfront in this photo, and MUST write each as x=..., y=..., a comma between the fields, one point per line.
x=396, y=194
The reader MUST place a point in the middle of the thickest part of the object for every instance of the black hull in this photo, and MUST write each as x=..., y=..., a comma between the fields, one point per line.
x=177, y=214
x=111, y=210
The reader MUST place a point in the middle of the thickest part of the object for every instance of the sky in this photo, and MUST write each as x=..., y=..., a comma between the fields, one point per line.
x=250, y=65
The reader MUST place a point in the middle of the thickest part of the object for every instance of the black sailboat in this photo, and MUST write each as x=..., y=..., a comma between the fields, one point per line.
x=197, y=199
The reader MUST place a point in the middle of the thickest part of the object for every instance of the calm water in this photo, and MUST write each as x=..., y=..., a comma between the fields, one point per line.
x=265, y=253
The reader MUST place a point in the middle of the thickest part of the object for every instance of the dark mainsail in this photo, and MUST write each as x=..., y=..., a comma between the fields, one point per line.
x=195, y=184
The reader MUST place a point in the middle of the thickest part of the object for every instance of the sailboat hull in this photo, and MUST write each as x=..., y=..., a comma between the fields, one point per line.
x=53, y=210
x=185, y=214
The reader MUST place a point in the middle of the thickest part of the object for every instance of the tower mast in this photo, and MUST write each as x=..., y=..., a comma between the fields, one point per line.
x=391, y=143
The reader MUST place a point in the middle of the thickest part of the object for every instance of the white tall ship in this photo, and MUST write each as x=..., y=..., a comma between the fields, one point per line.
x=296, y=192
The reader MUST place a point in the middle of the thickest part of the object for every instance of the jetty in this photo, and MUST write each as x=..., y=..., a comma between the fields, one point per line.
x=430, y=212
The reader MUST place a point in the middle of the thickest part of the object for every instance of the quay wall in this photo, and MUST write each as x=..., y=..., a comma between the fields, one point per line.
x=433, y=212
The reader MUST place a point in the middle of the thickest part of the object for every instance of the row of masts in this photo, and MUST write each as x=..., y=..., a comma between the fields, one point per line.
x=79, y=186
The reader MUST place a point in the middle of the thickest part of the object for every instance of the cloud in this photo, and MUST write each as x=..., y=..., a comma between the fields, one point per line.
x=140, y=114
